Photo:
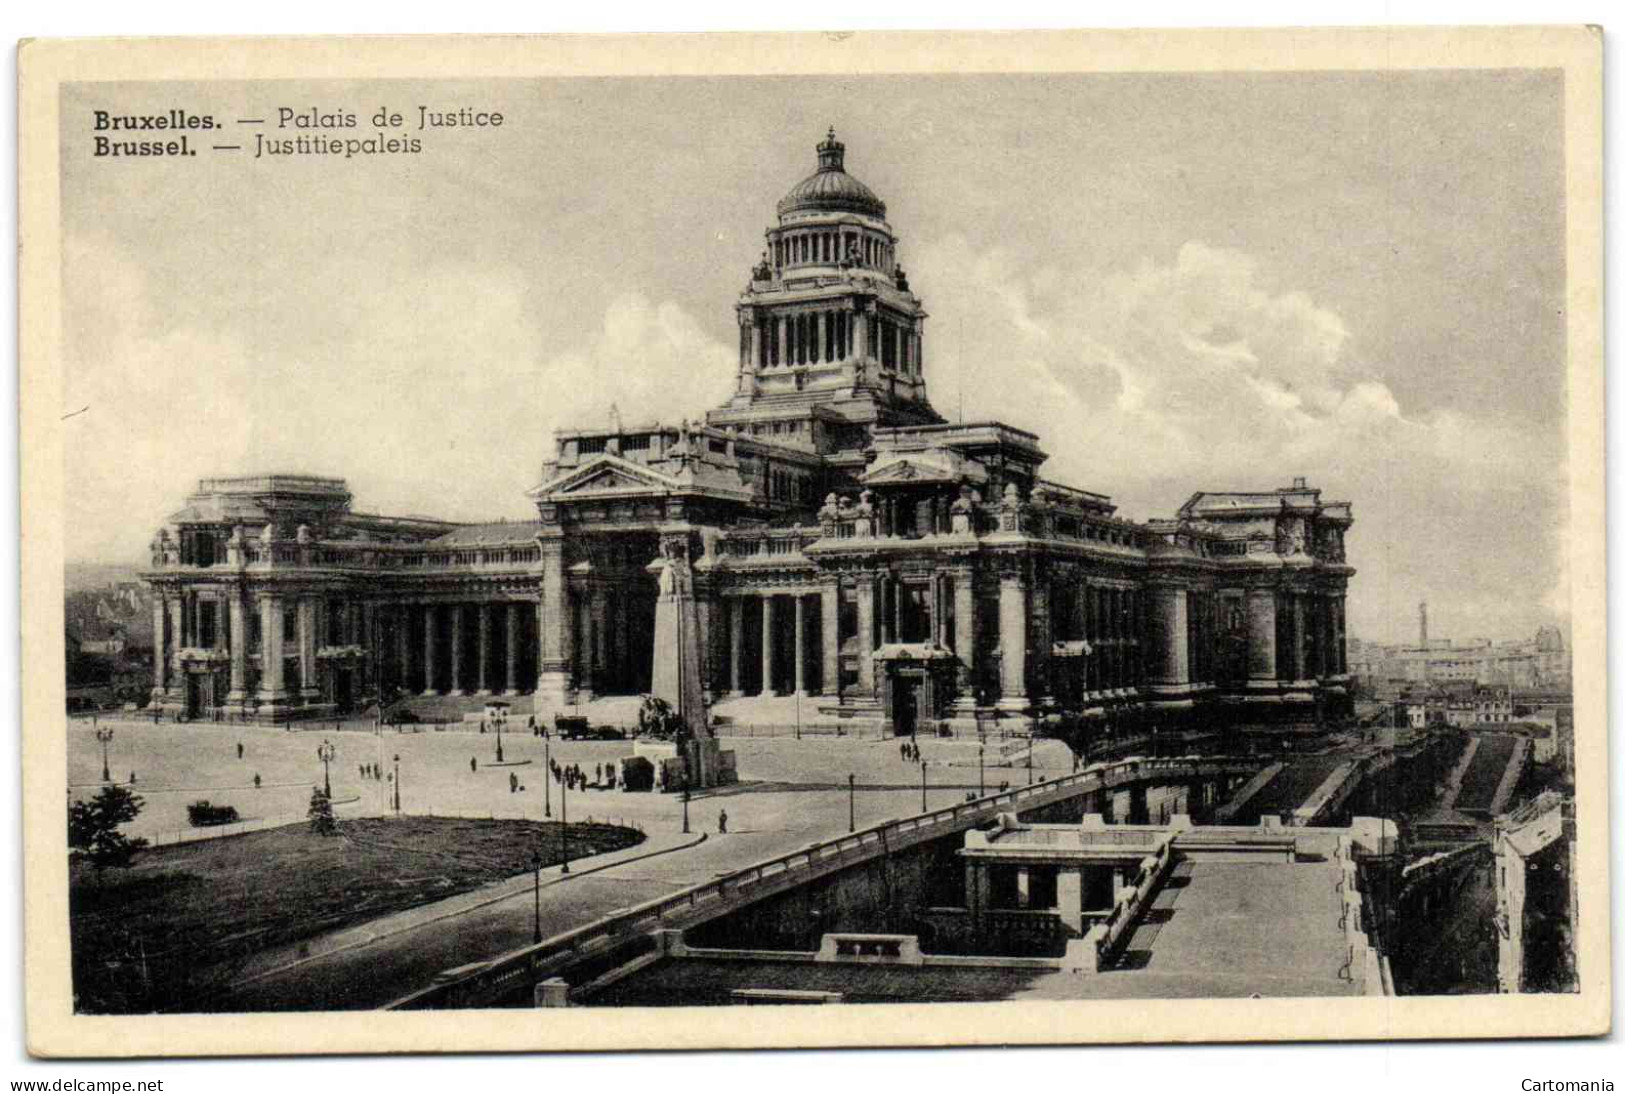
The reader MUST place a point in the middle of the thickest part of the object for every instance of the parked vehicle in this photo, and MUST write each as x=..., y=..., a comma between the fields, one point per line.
x=572, y=728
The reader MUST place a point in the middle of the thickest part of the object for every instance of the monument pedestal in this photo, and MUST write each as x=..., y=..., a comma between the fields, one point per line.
x=707, y=764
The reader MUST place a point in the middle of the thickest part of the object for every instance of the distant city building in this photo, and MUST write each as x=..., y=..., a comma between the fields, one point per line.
x=1538, y=662
x=848, y=544
x=109, y=645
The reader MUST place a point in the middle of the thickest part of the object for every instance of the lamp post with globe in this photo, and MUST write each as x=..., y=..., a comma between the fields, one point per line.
x=325, y=752
x=105, y=736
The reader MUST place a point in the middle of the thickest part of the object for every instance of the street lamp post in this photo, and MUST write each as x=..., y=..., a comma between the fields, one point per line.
x=547, y=777
x=685, y=798
x=922, y=786
x=325, y=752
x=564, y=824
x=981, y=771
x=105, y=736
x=397, y=783
x=851, y=803
x=1032, y=743
x=499, y=719
x=536, y=866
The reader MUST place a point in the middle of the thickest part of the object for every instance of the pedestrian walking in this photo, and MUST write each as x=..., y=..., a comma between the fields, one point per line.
x=473, y=764
x=239, y=750
x=256, y=780
x=722, y=822
x=513, y=783
x=597, y=773
x=361, y=771
x=132, y=778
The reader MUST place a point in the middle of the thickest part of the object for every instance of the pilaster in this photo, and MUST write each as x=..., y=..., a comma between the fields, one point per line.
x=829, y=617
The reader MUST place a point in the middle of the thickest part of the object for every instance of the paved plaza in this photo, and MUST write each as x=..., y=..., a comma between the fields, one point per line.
x=175, y=765
x=792, y=793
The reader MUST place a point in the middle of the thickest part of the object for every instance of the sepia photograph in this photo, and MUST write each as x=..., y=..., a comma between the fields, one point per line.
x=1074, y=539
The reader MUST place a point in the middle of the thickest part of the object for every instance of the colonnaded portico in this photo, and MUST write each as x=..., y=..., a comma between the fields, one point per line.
x=847, y=544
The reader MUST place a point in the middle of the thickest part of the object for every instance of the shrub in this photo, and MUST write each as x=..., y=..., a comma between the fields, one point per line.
x=93, y=825
x=322, y=820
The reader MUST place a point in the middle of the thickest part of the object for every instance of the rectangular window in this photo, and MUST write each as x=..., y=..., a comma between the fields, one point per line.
x=588, y=446
x=206, y=623
x=915, y=608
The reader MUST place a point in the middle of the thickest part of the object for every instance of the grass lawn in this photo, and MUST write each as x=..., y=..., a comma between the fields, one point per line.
x=183, y=918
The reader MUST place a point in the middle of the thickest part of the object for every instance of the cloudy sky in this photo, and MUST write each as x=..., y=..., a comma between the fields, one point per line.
x=1184, y=283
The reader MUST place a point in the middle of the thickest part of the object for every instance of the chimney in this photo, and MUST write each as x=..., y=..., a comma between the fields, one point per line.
x=1300, y=483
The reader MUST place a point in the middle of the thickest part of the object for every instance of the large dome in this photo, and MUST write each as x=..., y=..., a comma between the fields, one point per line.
x=830, y=189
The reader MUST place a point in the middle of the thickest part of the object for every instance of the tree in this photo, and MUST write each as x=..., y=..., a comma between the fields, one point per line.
x=93, y=828
x=322, y=820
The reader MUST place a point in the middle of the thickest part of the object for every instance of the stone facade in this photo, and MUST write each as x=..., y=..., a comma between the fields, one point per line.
x=846, y=543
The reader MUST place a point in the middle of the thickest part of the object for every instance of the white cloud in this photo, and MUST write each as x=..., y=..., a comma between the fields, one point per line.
x=436, y=395
x=1158, y=381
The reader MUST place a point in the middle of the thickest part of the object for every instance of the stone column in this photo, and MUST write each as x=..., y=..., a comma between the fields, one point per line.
x=767, y=644
x=482, y=678
x=510, y=676
x=866, y=636
x=307, y=650
x=1171, y=667
x=239, y=647
x=403, y=652
x=801, y=645
x=1012, y=640
x=705, y=617
x=829, y=617
x=1261, y=637
x=1069, y=899
x=273, y=690
x=965, y=632
x=1300, y=625
x=177, y=637
x=586, y=667
x=618, y=633
x=735, y=607
x=600, y=633
x=554, y=656
x=1341, y=622
x=457, y=616
x=428, y=650
x=1041, y=600
x=160, y=648
x=368, y=641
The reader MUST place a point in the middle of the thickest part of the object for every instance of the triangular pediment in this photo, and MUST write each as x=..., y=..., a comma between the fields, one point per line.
x=605, y=480
x=909, y=469
x=606, y=476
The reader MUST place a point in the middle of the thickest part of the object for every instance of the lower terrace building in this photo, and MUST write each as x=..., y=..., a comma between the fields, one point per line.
x=847, y=544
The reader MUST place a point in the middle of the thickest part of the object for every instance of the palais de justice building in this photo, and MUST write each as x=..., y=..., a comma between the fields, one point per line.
x=847, y=543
